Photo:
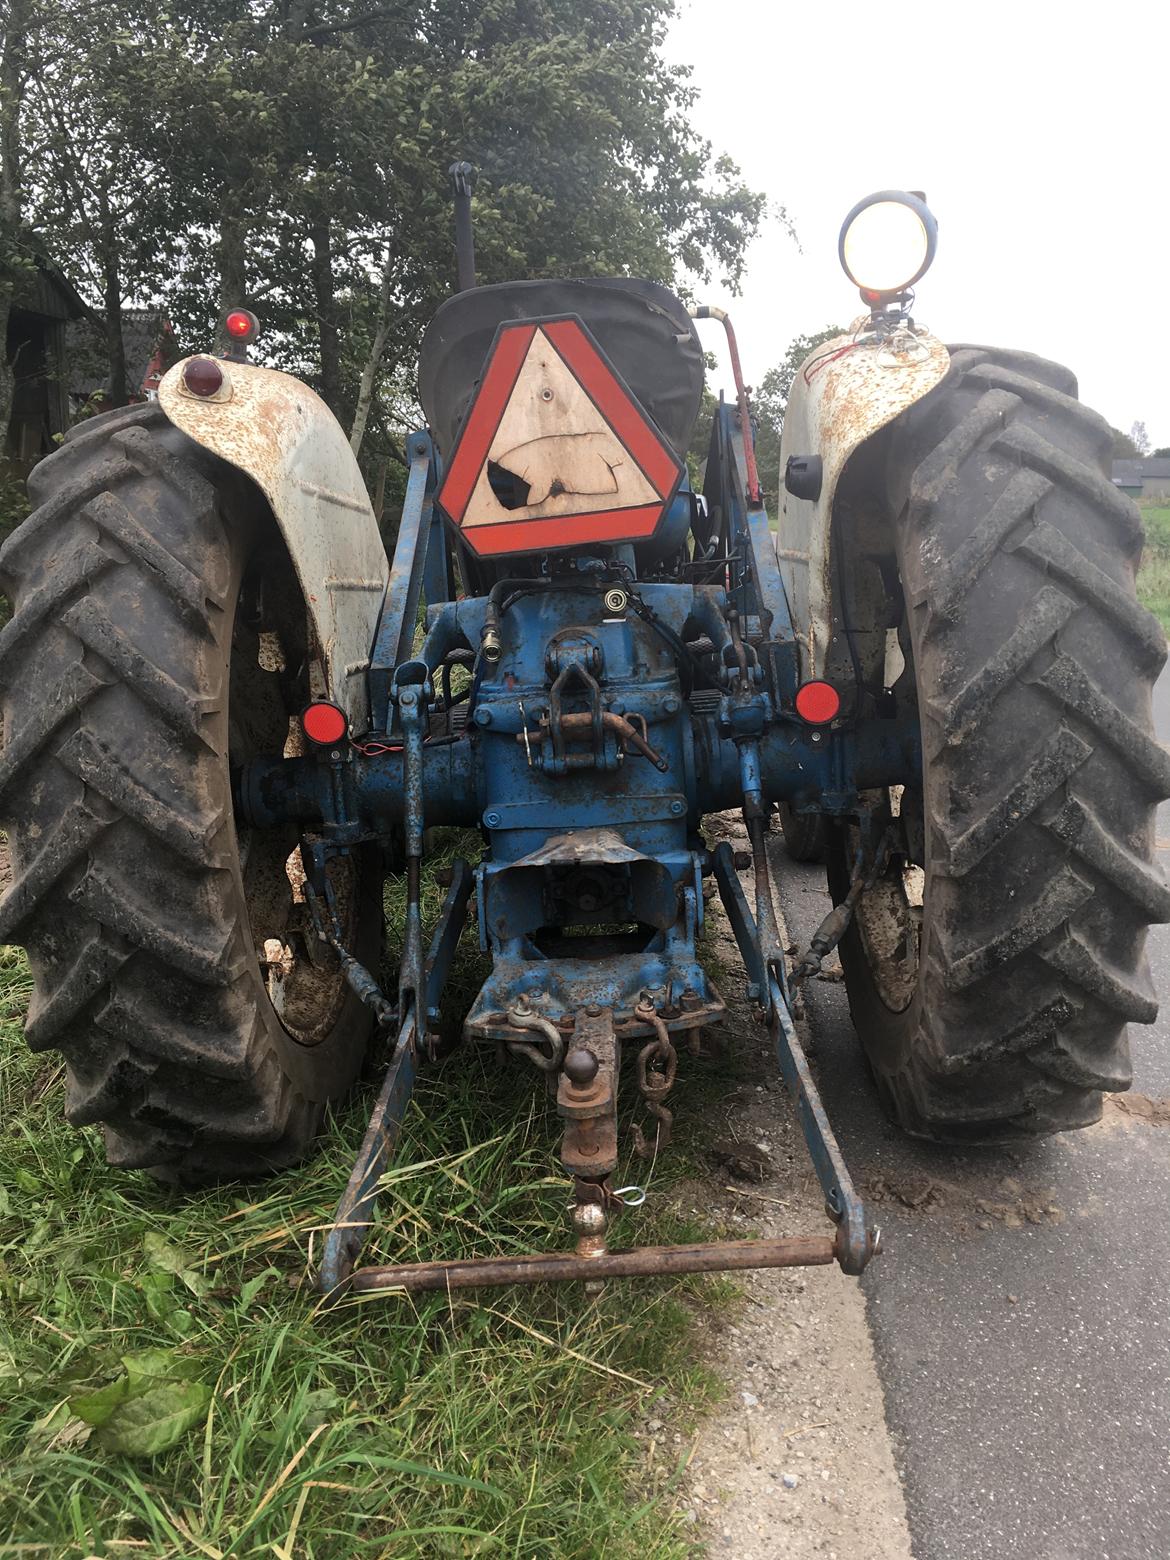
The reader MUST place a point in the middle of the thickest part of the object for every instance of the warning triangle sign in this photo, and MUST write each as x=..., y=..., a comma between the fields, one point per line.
x=555, y=451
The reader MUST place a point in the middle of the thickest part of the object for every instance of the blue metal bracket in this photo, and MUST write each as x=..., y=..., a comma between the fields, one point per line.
x=394, y=641
x=756, y=571
x=355, y=1212
x=855, y=1244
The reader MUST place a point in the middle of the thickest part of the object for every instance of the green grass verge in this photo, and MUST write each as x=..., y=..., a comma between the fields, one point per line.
x=490, y=1425
x=1154, y=576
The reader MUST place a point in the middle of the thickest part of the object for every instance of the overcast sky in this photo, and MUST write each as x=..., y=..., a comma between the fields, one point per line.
x=1040, y=133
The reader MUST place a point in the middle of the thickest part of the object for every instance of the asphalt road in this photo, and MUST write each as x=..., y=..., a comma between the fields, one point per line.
x=1021, y=1308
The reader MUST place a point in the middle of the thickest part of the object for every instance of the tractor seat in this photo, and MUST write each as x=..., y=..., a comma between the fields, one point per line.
x=640, y=326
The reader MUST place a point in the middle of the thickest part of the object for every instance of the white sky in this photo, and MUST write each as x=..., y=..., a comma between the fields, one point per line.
x=1039, y=131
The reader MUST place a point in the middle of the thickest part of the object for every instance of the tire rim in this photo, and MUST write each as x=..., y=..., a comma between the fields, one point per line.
x=889, y=915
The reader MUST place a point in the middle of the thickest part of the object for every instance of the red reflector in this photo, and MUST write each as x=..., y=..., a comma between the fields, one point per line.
x=203, y=376
x=241, y=325
x=324, y=724
x=817, y=702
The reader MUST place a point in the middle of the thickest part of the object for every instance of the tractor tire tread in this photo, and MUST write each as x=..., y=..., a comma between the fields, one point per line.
x=1034, y=663
x=113, y=698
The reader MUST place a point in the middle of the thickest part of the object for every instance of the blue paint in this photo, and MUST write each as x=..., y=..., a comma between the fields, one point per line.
x=595, y=742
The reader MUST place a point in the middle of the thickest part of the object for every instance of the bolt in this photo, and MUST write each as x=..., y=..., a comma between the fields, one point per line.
x=593, y=1010
x=336, y=753
x=753, y=992
x=492, y=818
x=676, y=807
x=672, y=704
x=483, y=717
x=817, y=737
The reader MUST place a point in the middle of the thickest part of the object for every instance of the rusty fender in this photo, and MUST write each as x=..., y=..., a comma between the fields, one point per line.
x=286, y=439
x=844, y=400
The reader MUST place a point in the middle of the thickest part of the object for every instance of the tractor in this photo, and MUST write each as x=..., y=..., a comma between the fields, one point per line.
x=227, y=715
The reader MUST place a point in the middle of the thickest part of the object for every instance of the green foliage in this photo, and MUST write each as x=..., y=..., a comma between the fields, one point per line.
x=1153, y=582
x=150, y=1406
x=170, y=1382
x=291, y=156
x=1162, y=453
x=1123, y=446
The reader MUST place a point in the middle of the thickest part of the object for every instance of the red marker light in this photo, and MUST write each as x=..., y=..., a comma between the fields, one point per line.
x=817, y=702
x=241, y=325
x=324, y=724
x=202, y=376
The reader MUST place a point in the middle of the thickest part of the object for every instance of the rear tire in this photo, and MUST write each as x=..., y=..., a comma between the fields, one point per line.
x=804, y=833
x=1032, y=665
x=131, y=681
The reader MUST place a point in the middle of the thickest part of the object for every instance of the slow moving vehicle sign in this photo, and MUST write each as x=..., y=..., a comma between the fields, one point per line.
x=554, y=450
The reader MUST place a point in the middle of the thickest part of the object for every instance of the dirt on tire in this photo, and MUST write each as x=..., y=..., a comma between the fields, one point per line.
x=128, y=888
x=1033, y=665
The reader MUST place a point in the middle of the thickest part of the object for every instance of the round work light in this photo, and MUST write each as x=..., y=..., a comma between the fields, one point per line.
x=887, y=242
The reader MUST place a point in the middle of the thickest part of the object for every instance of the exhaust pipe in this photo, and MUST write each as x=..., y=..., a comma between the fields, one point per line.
x=462, y=183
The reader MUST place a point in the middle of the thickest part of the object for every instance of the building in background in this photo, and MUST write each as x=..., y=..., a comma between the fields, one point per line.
x=43, y=309
x=1143, y=477
x=149, y=344
x=58, y=351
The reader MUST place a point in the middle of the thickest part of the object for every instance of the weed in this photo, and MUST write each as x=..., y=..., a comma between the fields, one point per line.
x=497, y=1425
x=1154, y=575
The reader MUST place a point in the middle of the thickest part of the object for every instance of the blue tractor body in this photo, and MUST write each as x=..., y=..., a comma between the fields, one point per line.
x=613, y=695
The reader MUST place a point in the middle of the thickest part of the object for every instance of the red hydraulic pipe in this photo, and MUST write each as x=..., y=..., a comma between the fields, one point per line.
x=706, y=311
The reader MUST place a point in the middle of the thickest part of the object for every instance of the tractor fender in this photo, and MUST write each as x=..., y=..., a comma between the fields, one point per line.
x=286, y=439
x=837, y=402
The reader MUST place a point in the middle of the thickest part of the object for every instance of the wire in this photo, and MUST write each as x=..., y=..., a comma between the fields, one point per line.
x=810, y=369
x=376, y=749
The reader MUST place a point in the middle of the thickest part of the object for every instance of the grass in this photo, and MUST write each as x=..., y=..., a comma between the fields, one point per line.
x=495, y=1426
x=1154, y=576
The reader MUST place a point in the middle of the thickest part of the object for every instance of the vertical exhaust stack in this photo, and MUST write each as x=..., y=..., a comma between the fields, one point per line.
x=462, y=184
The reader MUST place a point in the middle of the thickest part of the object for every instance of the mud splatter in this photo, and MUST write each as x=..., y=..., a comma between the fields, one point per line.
x=1137, y=1108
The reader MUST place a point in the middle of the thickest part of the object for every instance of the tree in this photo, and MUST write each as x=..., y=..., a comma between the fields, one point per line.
x=1162, y=453
x=1123, y=446
x=14, y=253
x=770, y=401
x=1141, y=439
x=332, y=128
x=290, y=156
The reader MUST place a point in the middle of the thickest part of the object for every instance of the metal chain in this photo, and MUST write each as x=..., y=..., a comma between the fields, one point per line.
x=654, y=1085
